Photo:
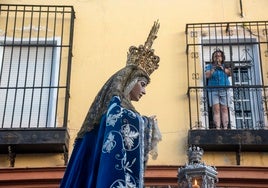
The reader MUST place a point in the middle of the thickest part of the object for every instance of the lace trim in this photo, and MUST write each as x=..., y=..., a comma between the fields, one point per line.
x=156, y=137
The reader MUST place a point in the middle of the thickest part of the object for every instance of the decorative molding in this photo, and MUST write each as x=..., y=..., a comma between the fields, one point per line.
x=231, y=176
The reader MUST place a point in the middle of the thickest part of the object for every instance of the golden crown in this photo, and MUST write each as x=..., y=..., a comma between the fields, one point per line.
x=144, y=56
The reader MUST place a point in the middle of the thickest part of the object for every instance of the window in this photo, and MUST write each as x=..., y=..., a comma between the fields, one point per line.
x=35, y=70
x=245, y=48
x=35, y=62
x=29, y=75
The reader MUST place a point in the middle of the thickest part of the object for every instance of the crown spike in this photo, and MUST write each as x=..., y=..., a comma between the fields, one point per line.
x=195, y=154
x=143, y=56
x=152, y=35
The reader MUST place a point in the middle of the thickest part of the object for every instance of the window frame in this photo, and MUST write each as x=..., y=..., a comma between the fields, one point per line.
x=38, y=44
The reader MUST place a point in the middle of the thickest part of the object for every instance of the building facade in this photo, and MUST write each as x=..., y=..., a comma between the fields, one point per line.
x=55, y=56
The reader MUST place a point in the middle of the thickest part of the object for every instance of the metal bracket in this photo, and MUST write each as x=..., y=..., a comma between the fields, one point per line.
x=65, y=154
x=11, y=156
x=238, y=155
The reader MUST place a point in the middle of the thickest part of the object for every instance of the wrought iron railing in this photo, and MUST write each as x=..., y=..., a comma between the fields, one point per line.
x=245, y=45
x=35, y=69
x=247, y=107
x=35, y=65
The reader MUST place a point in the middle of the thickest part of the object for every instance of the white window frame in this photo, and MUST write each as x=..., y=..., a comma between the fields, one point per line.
x=206, y=54
x=55, y=56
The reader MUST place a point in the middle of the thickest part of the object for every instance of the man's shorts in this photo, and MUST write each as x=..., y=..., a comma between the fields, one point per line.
x=219, y=97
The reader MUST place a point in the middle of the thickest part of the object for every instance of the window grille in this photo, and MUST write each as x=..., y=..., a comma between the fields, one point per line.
x=35, y=65
x=245, y=45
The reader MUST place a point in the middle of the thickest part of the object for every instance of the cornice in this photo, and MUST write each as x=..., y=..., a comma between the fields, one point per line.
x=231, y=176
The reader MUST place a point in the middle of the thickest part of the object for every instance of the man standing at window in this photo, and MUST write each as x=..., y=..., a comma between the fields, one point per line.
x=217, y=74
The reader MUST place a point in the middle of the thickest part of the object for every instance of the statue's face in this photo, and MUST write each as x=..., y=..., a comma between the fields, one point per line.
x=138, y=90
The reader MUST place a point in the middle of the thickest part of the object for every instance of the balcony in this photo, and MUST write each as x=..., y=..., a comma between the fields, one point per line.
x=247, y=127
x=35, y=70
x=245, y=47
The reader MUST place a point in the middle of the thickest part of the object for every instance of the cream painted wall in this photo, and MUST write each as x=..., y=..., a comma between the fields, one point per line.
x=104, y=30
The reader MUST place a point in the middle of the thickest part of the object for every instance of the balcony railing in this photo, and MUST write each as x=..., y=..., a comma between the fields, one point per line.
x=245, y=45
x=247, y=107
x=35, y=70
